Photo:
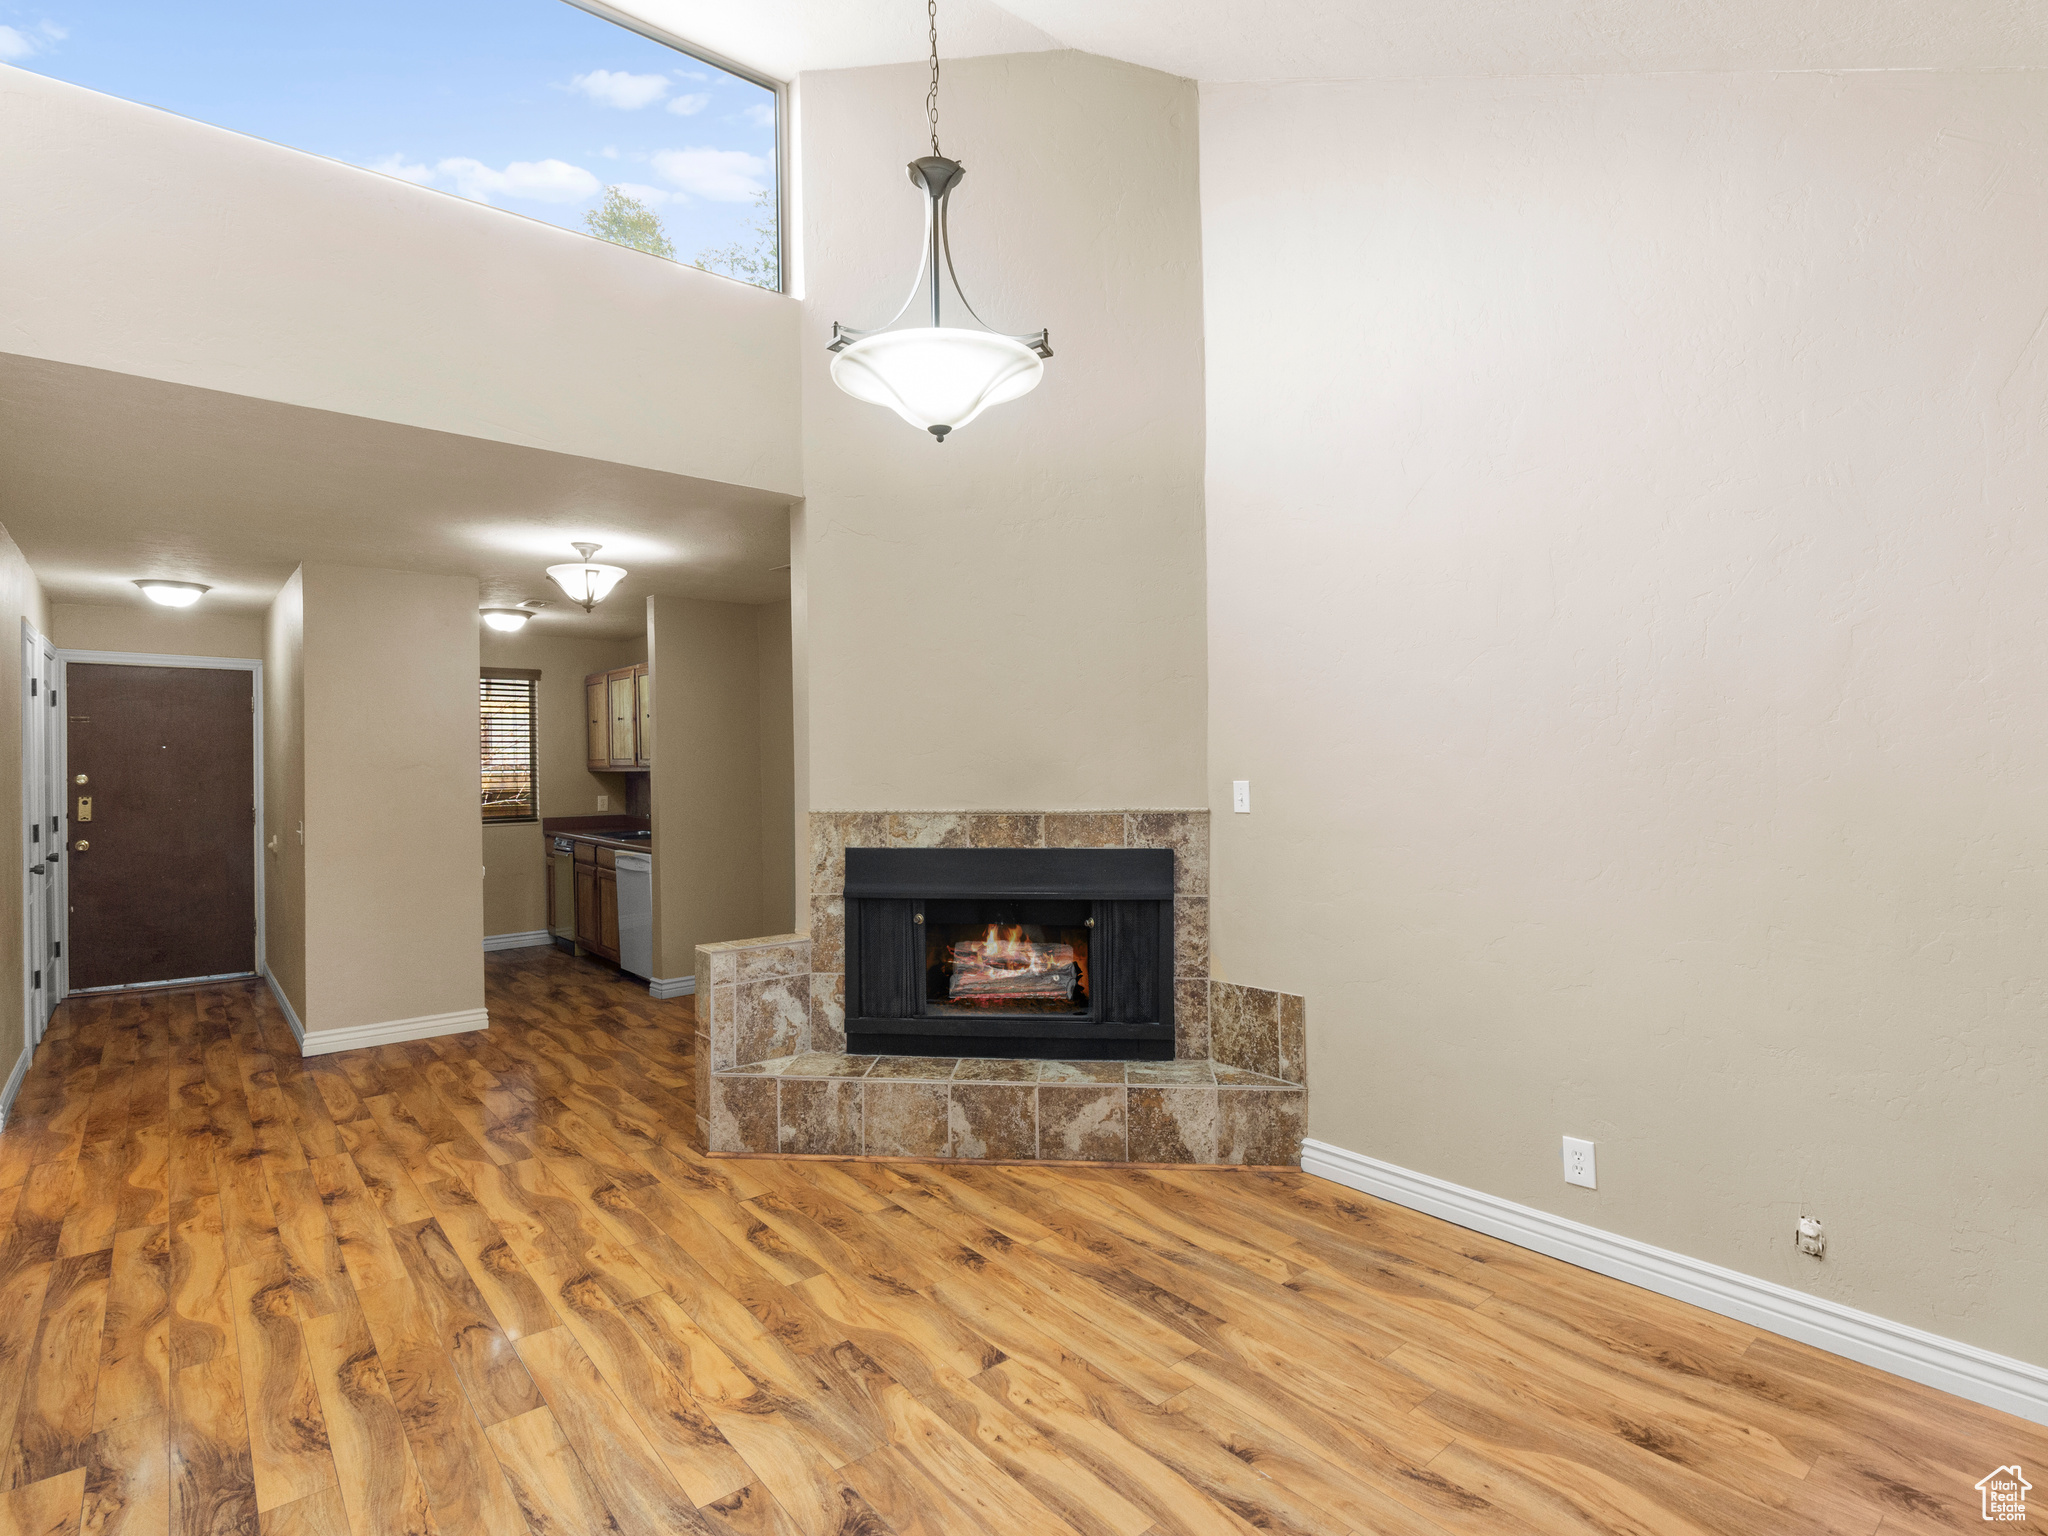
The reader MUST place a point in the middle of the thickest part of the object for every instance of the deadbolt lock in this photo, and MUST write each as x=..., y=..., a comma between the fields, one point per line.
x=81, y=779
x=85, y=808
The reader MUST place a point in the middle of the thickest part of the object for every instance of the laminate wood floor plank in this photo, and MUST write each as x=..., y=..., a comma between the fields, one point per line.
x=287, y=1431
x=52, y=1507
x=128, y=1479
x=488, y=1285
x=55, y=1418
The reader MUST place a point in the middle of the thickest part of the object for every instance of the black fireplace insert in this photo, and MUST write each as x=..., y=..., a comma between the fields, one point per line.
x=1050, y=952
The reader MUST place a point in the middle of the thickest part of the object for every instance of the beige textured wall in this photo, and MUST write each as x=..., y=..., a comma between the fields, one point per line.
x=284, y=790
x=703, y=659
x=515, y=855
x=775, y=667
x=1050, y=551
x=155, y=631
x=151, y=244
x=394, y=842
x=1625, y=567
x=21, y=597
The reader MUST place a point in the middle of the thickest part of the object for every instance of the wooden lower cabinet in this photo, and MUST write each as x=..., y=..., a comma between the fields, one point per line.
x=597, y=902
x=608, y=915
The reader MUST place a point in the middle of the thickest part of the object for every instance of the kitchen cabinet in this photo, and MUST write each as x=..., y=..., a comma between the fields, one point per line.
x=597, y=901
x=618, y=711
x=597, y=722
x=643, y=692
x=625, y=719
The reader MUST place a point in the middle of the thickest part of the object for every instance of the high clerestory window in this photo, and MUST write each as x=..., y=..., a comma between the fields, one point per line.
x=544, y=108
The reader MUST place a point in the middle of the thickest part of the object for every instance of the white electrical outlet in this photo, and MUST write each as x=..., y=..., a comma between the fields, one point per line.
x=604, y=802
x=1810, y=1237
x=1241, y=796
x=1578, y=1162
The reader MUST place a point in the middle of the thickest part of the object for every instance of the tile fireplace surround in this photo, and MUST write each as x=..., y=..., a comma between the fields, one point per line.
x=773, y=1076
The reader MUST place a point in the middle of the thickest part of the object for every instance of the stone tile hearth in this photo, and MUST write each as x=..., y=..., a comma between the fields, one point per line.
x=773, y=1076
x=824, y=1102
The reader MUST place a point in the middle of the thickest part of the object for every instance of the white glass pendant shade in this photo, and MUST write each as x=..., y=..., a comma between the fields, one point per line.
x=510, y=620
x=586, y=582
x=173, y=594
x=937, y=377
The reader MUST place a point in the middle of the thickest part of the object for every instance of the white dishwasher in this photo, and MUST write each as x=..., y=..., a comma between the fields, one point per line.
x=636, y=912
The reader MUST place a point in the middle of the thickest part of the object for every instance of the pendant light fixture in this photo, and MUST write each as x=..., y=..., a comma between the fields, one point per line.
x=586, y=583
x=936, y=376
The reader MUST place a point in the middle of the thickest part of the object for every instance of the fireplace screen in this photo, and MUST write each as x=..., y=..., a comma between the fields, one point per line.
x=984, y=957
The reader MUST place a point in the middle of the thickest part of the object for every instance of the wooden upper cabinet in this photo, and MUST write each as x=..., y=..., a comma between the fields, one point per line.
x=597, y=721
x=618, y=709
x=625, y=714
x=644, y=692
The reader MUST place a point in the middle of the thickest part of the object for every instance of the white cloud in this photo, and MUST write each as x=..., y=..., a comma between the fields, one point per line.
x=616, y=88
x=760, y=114
x=721, y=175
x=536, y=181
x=610, y=152
x=16, y=44
x=405, y=170
x=653, y=197
x=686, y=106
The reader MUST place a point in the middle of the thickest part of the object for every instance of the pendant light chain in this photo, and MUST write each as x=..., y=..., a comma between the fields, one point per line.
x=931, y=99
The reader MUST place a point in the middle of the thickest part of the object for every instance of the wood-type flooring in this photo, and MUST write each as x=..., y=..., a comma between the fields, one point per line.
x=486, y=1285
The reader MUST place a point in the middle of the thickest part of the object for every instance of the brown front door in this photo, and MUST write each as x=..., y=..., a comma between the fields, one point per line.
x=163, y=877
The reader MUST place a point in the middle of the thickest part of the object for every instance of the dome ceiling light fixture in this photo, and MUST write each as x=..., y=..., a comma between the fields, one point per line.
x=586, y=583
x=512, y=620
x=936, y=376
x=173, y=594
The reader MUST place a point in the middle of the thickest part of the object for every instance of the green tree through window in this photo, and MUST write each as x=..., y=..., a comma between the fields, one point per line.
x=753, y=262
x=625, y=220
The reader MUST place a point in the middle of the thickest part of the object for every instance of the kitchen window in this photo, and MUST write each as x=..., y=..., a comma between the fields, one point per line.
x=509, y=781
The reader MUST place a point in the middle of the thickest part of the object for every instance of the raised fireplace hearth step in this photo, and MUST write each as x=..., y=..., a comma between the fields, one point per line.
x=828, y=1103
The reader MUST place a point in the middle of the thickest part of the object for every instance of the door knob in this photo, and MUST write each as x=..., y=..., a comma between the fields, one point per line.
x=80, y=847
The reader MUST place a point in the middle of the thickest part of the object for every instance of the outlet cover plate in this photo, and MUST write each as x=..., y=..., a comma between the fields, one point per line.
x=1578, y=1163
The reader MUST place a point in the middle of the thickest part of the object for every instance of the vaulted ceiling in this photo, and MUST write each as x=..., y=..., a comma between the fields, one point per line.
x=1234, y=40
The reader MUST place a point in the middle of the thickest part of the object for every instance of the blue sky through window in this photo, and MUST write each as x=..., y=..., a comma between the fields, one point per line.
x=533, y=106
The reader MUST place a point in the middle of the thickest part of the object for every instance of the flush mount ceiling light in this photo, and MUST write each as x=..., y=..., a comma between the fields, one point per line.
x=512, y=620
x=585, y=583
x=936, y=376
x=173, y=594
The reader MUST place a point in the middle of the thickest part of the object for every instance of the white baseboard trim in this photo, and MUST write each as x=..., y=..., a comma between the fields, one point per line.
x=531, y=940
x=1997, y=1381
x=13, y=1087
x=427, y=1027
x=290, y=1016
x=672, y=986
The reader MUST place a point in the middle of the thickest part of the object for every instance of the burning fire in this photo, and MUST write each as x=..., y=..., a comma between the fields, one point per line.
x=1005, y=963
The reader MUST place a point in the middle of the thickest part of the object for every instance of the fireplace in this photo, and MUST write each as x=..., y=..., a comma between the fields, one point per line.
x=1017, y=952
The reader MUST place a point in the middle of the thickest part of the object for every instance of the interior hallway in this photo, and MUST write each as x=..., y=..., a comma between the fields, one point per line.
x=486, y=1284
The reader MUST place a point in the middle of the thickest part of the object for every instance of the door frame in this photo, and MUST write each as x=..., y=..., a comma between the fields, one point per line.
x=38, y=769
x=250, y=665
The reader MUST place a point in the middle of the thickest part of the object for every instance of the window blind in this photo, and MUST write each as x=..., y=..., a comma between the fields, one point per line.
x=508, y=748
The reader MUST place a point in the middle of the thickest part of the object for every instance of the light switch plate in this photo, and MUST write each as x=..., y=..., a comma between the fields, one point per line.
x=604, y=802
x=1241, y=796
x=1578, y=1163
